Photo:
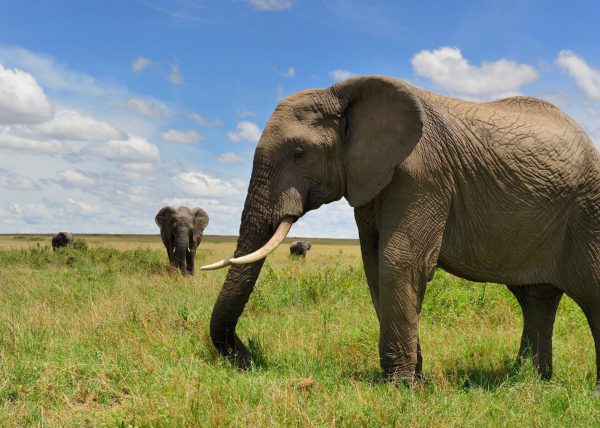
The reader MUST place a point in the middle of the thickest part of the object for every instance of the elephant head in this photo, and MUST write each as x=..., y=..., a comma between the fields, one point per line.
x=181, y=231
x=62, y=239
x=300, y=248
x=317, y=147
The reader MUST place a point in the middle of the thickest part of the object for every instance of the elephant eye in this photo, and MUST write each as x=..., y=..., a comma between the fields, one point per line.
x=298, y=155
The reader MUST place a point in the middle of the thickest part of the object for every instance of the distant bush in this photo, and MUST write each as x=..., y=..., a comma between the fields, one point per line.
x=80, y=256
x=80, y=245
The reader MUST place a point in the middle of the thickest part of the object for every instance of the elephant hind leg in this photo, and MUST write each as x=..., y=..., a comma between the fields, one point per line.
x=538, y=304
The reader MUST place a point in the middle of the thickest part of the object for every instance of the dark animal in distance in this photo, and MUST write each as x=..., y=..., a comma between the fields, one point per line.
x=300, y=248
x=62, y=239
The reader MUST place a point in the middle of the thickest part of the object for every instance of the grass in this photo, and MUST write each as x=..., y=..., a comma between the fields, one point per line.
x=109, y=335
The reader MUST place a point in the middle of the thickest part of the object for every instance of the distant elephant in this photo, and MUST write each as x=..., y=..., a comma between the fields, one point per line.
x=181, y=231
x=505, y=191
x=300, y=248
x=62, y=239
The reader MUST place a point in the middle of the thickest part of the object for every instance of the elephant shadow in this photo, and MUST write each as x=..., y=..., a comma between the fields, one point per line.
x=465, y=377
x=471, y=376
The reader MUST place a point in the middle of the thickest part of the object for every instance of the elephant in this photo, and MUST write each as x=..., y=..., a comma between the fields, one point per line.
x=62, y=239
x=506, y=191
x=300, y=248
x=181, y=231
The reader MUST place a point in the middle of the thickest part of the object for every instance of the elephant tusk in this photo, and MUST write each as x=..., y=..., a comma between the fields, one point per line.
x=218, y=265
x=269, y=247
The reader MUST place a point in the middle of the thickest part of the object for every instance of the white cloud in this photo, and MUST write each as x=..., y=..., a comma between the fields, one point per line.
x=230, y=157
x=140, y=63
x=338, y=75
x=133, y=149
x=84, y=207
x=288, y=74
x=247, y=113
x=71, y=178
x=71, y=125
x=22, y=100
x=13, y=181
x=23, y=144
x=271, y=5
x=202, y=121
x=449, y=70
x=31, y=213
x=146, y=108
x=204, y=185
x=587, y=77
x=52, y=75
x=246, y=131
x=140, y=167
x=175, y=76
x=181, y=137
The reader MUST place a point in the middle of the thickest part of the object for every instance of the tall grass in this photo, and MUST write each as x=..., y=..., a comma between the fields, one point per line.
x=104, y=337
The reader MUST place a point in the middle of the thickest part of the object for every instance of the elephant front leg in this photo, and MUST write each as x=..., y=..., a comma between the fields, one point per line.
x=401, y=291
x=369, y=243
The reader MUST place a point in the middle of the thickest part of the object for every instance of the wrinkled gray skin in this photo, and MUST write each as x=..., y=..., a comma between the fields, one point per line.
x=181, y=231
x=62, y=239
x=505, y=191
x=300, y=248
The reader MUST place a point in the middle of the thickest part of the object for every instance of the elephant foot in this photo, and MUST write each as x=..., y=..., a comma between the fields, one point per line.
x=408, y=377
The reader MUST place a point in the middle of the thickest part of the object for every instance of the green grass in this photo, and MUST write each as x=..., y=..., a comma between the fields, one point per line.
x=105, y=336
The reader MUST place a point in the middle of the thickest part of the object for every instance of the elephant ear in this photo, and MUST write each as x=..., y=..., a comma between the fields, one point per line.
x=200, y=220
x=164, y=216
x=381, y=123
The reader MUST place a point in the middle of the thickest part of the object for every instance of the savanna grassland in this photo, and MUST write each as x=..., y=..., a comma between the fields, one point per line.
x=106, y=334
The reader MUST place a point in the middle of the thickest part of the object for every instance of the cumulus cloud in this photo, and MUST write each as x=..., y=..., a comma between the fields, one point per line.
x=52, y=75
x=13, y=181
x=246, y=131
x=22, y=100
x=200, y=120
x=32, y=213
x=71, y=125
x=181, y=137
x=271, y=5
x=338, y=75
x=140, y=63
x=204, y=185
x=20, y=144
x=230, y=157
x=72, y=178
x=175, y=76
x=140, y=167
x=587, y=77
x=144, y=107
x=133, y=149
x=84, y=208
x=449, y=70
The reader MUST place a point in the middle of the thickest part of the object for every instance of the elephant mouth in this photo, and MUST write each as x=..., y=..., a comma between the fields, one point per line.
x=282, y=230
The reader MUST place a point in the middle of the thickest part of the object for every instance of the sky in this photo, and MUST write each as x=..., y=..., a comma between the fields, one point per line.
x=110, y=110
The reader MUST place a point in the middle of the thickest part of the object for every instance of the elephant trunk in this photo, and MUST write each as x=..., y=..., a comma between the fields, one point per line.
x=255, y=230
x=181, y=248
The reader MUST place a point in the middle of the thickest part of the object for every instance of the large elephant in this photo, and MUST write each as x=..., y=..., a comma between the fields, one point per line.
x=300, y=248
x=505, y=191
x=62, y=239
x=181, y=231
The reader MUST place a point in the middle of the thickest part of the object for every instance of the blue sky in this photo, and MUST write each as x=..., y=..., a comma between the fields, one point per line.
x=110, y=110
